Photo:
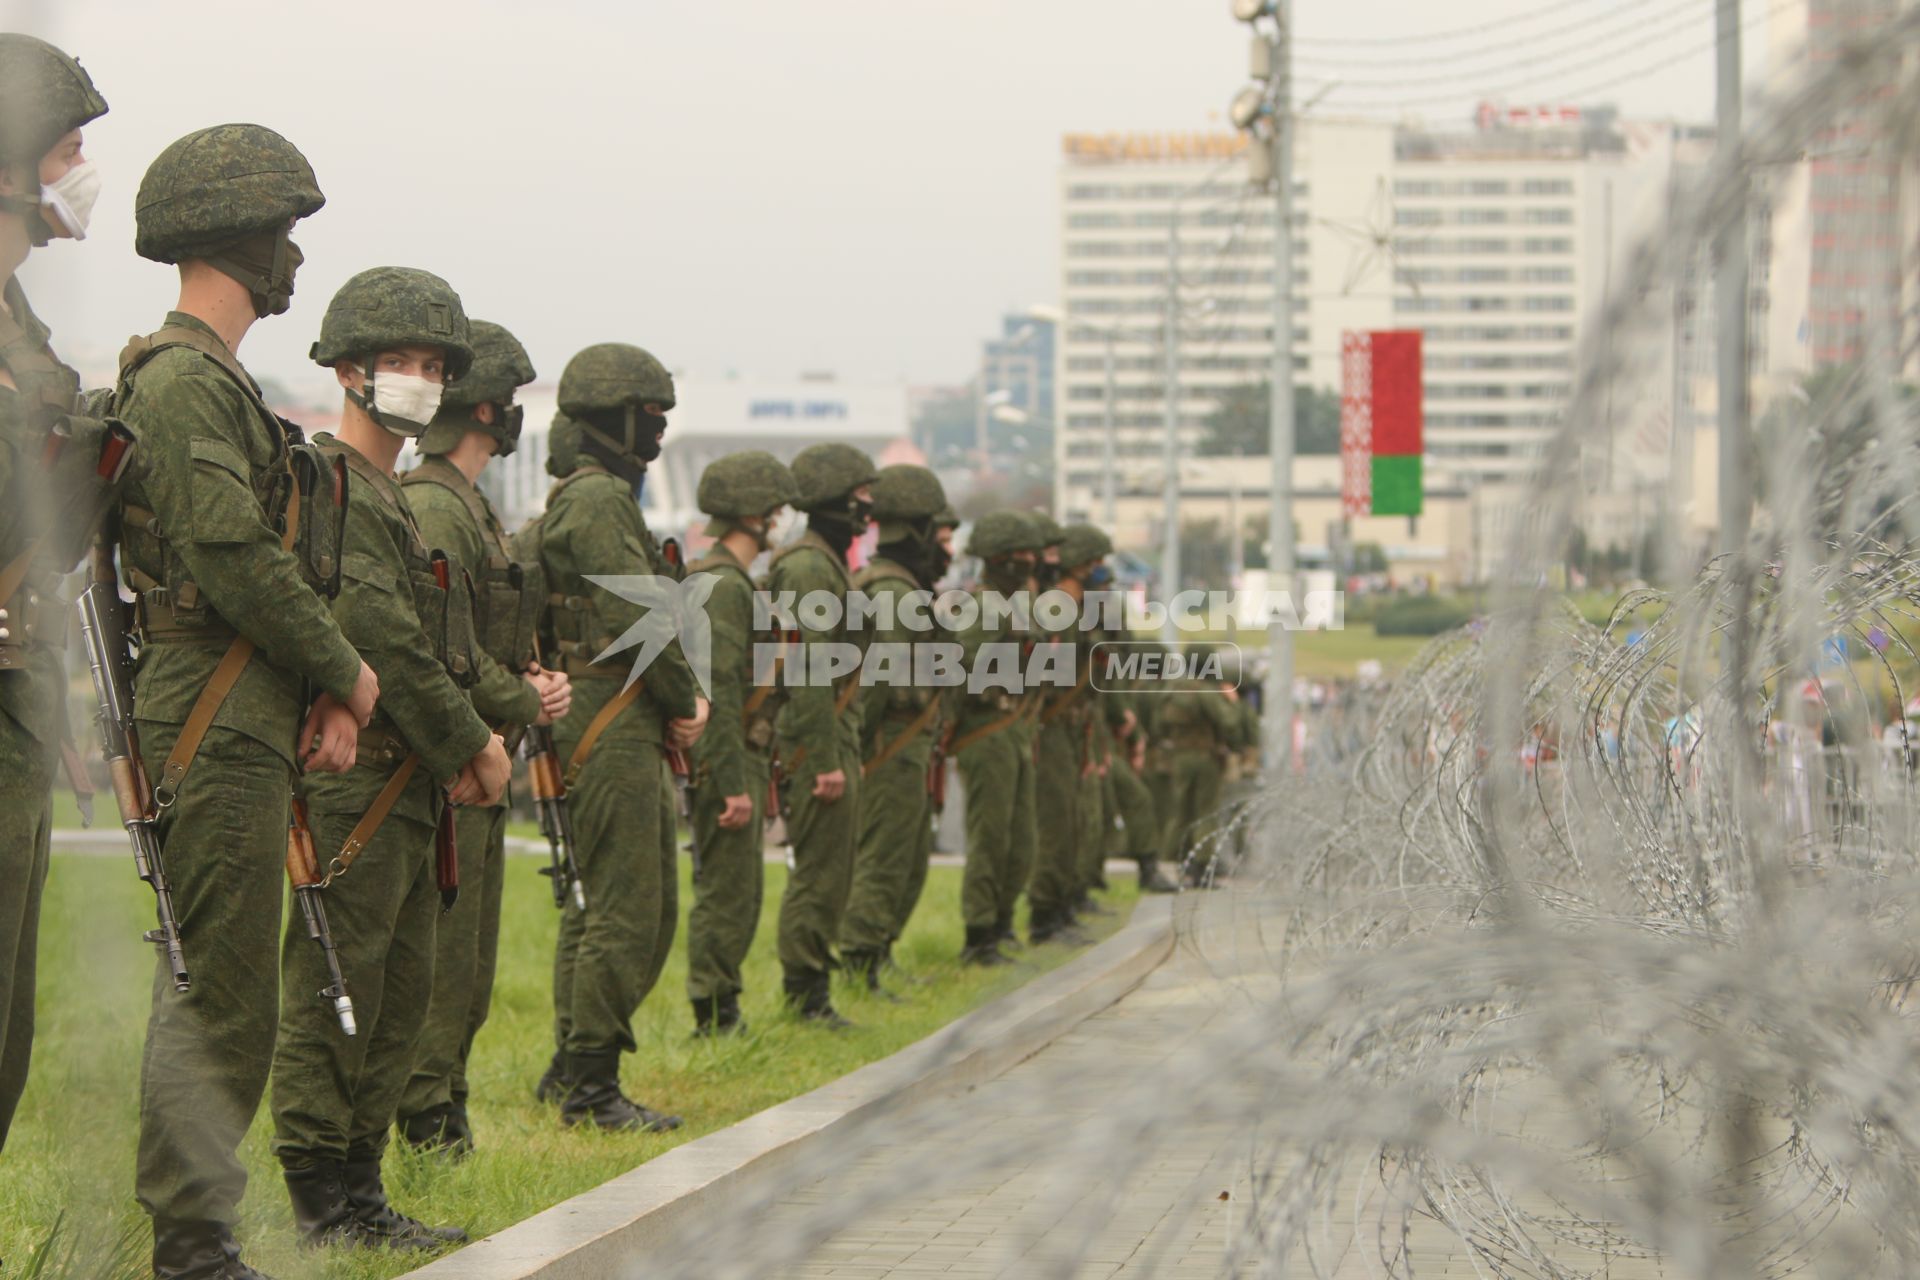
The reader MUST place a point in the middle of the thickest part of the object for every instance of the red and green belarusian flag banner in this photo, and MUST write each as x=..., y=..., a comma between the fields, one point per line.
x=1380, y=423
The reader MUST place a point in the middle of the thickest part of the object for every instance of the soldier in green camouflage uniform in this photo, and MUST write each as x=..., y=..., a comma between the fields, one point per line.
x=743, y=492
x=1083, y=553
x=899, y=720
x=477, y=422
x=989, y=740
x=1197, y=727
x=391, y=335
x=202, y=551
x=819, y=727
x=945, y=522
x=45, y=98
x=1060, y=761
x=614, y=399
x=1137, y=834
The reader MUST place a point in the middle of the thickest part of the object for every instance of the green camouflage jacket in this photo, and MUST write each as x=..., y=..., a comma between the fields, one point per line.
x=809, y=718
x=381, y=559
x=593, y=526
x=207, y=452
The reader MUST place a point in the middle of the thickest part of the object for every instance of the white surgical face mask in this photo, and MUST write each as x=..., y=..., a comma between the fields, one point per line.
x=404, y=403
x=70, y=198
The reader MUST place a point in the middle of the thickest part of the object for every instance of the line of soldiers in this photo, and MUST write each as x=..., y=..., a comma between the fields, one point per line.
x=334, y=663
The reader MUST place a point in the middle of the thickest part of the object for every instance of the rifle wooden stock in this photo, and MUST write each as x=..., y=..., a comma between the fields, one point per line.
x=303, y=873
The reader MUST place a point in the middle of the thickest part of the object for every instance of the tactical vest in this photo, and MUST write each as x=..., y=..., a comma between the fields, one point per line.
x=168, y=604
x=508, y=594
x=902, y=702
x=573, y=625
x=72, y=462
x=846, y=581
x=442, y=591
x=761, y=703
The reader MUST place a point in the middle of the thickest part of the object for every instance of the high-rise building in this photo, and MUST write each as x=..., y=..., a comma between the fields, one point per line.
x=1841, y=217
x=1500, y=241
x=1153, y=224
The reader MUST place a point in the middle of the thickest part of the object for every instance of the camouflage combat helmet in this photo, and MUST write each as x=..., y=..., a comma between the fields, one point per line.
x=1051, y=531
x=219, y=185
x=613, y=375
x=750, y=483
x=1084, y=542
x=43, y=94
x=612, y=378
x=946, y=517
x=563, y=446
x=825, y=473
x=501, y=366
x=1000, y=533
x=384, y=308
x=906, y=498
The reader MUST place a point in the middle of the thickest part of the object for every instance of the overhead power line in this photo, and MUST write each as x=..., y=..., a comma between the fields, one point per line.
x=1471, y=65
x=1530, y=14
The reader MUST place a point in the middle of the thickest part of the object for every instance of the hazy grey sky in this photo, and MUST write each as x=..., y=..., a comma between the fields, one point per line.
x=760, y=186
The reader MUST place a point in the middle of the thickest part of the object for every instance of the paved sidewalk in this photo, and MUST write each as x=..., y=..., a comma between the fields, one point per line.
x=1012, y=1216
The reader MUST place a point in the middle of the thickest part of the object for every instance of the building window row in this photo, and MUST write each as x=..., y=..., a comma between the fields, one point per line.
x=1156, y=304
x=1497, y=390
x=1483, y=302
x=1409, y=246
x=1499, y=333
x=1163, y=191
x=1488, y=275
x=1188, y=280
x=1490, y=420
x=1473, y=363
x=1470, y=216
x=1189, y=248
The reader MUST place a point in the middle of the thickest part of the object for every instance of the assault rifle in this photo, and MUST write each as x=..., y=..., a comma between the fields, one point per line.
x=683, y=785
x=103, y=629
x=303, y=871
x=556, y=823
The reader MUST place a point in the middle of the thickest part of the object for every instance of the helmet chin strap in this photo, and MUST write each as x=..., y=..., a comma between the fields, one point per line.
x=31, y=211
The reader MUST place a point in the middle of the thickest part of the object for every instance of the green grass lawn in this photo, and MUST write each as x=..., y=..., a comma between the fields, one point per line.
x=69, y=1160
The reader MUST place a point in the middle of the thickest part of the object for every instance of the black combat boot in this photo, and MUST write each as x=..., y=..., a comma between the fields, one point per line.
x=1151, y=881
x=982, y=948
x=440, y=1129
x=1003, y=934
x=1088, y=907
x=379, y=1220
x=321, y=1214
x=810, y=994
x=1055, y=925
x=706, y=1012
x=865, y=966
x=555, y=1082
x=595, y=1098
x=728, y=1020
x=195, y=1249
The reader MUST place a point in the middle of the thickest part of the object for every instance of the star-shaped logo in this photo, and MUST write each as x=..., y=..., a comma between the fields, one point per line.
x=674, y=611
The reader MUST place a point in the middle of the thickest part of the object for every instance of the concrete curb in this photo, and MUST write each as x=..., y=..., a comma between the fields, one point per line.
x=594, y=1234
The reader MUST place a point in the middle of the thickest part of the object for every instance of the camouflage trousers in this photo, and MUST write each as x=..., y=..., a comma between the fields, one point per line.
x=997, y=774
x=823, y=836
x=610, y=957
x=26, y=826
x=209, y=1050
x=1193, y=803
x=334, y=1095
x=894, y=840
x=728, y=889
x=466, y=947
x=1094, y=818
x=1055, y=885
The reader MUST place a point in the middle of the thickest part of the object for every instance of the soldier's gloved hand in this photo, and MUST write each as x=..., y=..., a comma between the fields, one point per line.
x=737, y=813
x=329, y=737
x=483, y=779
x=556, y=694
x=682, y=734
x=830, y=786
x=366, y=692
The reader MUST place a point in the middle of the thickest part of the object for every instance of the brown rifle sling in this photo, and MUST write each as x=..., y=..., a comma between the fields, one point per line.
x=370, y=821
x=583, y=750
x=840, y=704
x=1060, y=705
x=16, y=571
x=225, y=676
x=986, y=730
x=899, y=744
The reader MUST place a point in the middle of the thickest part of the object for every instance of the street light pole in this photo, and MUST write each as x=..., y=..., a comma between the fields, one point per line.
x=1170, y=547
x=1730, y=297
x=1277, y=697
x=1107, y=446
